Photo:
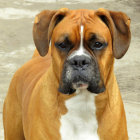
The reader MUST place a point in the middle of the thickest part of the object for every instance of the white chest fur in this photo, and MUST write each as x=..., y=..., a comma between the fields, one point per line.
x=80, y=123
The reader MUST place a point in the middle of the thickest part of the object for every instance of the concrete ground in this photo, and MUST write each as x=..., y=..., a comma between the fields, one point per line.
x=16, y=47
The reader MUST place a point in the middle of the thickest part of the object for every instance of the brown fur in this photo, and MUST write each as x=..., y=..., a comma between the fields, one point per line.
x=33, y=105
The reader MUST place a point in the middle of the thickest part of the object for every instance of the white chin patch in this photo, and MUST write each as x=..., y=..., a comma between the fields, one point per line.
x=80, y=85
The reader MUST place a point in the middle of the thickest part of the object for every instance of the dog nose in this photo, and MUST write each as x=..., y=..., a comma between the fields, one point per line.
x=80, y=62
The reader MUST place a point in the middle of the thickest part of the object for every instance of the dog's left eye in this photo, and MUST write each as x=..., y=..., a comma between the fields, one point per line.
x=96, y=46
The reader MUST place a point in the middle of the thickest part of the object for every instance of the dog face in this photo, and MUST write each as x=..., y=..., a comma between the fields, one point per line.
x=82, y=47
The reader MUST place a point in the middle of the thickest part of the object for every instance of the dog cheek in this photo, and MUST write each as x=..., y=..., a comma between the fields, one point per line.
x=68, y=73
x=65, y=86
x=96, y=84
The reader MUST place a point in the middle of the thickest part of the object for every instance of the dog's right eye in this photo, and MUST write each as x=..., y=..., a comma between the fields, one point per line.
x=61, y=45
x=65, y=45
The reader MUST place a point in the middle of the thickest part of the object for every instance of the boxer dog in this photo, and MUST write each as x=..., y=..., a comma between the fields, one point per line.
x=71, y=93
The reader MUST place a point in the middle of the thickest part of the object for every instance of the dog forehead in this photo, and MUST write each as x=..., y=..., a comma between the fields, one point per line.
x=79, y=17
x=71, y=25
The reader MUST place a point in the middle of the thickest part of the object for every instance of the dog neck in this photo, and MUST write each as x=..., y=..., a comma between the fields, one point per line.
x=80, y=120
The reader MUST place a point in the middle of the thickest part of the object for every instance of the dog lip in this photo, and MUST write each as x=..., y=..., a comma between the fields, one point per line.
x=80, y=85
x=96, y=90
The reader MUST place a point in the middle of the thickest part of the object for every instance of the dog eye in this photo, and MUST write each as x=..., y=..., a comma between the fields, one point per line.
x=65, y=45
x=61, y=45
x=96, y=46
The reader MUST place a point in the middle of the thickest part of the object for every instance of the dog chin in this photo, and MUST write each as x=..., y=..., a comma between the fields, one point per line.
x=67, y=88
x=71, y=88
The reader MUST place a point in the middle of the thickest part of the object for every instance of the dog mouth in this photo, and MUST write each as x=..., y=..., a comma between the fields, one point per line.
x=69, y=87
x=73, y=79
x=80, y=85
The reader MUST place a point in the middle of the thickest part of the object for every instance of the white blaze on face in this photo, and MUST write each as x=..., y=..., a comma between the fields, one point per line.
x=81, y=50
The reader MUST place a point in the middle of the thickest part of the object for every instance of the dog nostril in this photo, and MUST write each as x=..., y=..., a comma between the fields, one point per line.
x=75, y=63
x=83, y=62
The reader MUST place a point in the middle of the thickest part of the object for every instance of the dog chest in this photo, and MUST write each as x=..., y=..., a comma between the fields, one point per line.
x=80, y=123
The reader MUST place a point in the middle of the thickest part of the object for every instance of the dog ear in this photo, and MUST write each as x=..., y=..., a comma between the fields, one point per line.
x=43, y=27
x=119, y=26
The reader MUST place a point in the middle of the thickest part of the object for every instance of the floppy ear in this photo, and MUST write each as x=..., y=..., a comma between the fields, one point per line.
x=119, y=26
x=43, y=27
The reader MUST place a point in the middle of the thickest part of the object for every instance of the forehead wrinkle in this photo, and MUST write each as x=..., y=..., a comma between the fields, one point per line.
x=94, y=35
x=87, y=17
x=78, y=16
x=81, y=16
x=74, y=17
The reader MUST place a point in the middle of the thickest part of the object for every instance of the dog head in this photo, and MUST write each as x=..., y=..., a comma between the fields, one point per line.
x=83, y=43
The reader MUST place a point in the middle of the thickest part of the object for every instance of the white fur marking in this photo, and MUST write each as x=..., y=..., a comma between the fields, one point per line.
x=81, y=42
x=80, y=123
x=81, y=50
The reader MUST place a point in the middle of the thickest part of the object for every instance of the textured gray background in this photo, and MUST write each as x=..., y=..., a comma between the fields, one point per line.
x=16, y=47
